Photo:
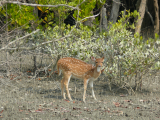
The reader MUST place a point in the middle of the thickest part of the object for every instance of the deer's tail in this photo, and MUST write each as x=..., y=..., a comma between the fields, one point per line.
x=58, y=69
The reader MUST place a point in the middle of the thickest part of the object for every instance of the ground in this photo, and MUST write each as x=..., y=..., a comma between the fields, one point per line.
x=40, y=98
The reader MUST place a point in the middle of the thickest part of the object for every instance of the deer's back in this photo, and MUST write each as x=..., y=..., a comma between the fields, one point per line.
x=74, y=65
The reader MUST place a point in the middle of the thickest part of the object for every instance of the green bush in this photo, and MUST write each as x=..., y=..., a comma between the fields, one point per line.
x=126, y=54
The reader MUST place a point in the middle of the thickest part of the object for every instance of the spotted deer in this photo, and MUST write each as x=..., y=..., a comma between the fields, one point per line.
x=72, y=67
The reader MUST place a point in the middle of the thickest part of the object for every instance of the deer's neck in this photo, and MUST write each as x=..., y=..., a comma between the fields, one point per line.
x=97, y=72
x=98, y=69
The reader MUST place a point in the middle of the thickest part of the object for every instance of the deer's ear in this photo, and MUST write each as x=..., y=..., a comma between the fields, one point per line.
x=103, y=57
x=93, y=58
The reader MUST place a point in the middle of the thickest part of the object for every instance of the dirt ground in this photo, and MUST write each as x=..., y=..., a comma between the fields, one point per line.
x=40, y=99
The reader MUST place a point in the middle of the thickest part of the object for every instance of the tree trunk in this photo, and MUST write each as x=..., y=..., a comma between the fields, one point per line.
x=156, y=9
x=114, y=11
x=141, y=12
x=103, y=21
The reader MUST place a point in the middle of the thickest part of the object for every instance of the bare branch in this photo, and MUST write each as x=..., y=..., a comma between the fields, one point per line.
x=34, y=5
x=149, y=15
x=81, y=3
x=18, y=39
x=89, y=17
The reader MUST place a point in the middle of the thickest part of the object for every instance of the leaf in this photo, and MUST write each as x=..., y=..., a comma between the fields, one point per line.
x=40, y=8
x=116, y=104
x=156, y=36
x=122, y=95
x=50, y=23
x=67, y=100
x=1, y=111
x=27, y=26
x=137, y=108
x=20, y=110
x=39, y=110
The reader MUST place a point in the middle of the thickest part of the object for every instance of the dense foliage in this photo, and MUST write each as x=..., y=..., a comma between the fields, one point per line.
x=126, y=54
x=19, y=15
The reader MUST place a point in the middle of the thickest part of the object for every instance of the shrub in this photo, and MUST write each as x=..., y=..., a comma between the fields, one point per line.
x=126, y=54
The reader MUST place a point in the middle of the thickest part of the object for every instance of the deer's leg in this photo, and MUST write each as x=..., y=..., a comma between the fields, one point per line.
x=91, y=85
x=62, y=88
x=85, y=88
x=67, y=77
